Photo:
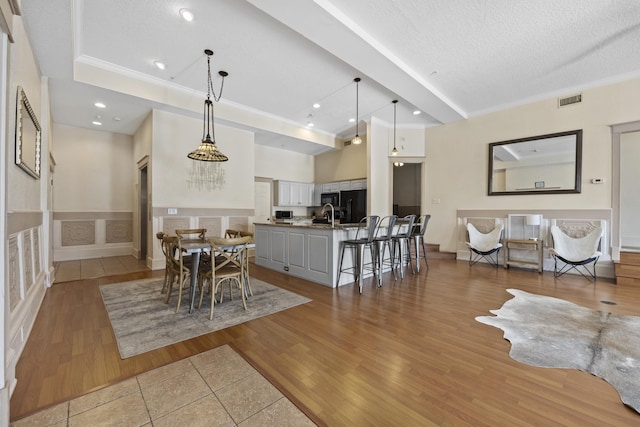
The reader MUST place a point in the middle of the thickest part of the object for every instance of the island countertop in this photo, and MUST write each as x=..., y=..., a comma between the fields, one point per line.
x=303, y=224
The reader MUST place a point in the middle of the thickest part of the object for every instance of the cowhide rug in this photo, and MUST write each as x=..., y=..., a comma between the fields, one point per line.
x=553, y=333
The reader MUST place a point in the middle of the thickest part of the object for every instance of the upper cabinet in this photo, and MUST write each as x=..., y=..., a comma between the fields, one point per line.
x=334, y=187
x=331, y=187
x=288, y=193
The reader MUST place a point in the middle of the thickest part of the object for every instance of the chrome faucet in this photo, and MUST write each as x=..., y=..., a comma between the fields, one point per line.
x=333, y=213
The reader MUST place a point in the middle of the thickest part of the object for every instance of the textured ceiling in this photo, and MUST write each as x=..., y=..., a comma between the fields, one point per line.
x=452, y=59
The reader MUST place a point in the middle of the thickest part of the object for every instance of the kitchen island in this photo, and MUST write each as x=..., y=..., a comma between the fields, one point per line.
x=305, y=250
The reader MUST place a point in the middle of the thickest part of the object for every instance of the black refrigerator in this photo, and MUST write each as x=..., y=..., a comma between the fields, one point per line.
x=354, y=206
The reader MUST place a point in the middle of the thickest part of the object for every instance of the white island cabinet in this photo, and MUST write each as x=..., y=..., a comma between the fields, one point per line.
x=307, y=251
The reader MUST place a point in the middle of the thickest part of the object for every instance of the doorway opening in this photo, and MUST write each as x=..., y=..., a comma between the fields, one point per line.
x=407, y=189
x=143, y=213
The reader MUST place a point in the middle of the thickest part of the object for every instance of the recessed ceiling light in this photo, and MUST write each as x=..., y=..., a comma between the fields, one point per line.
x=97, y=123
x=351, y=120
x=316, y=105
x=186, y=14
x=116, y=119
x=415, y=113
x=310, y=124
x=100, y=105
x=160, y=65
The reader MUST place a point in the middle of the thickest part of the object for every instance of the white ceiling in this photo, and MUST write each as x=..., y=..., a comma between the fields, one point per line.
x=451, y=59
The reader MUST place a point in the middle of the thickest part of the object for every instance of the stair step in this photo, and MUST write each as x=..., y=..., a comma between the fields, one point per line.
x=627, y=281
x=632, y=258
x=627, y=270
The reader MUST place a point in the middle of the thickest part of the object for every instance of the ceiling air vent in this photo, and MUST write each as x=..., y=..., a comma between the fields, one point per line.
x=575, y=99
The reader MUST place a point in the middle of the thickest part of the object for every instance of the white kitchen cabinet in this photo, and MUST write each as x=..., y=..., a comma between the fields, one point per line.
x=345, y=185
x=307, y=252
x=331, y=187
x=359, y=184
x=317, y=194
x=282, y=193
x=289, y=193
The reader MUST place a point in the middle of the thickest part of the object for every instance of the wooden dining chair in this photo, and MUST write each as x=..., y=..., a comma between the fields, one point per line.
x=178, y=270
x=231, y=234
x=191, y=233
x=230, y=256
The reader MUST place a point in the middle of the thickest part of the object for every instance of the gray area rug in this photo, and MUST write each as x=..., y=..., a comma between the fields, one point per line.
x=142, y=322
x=553, y=333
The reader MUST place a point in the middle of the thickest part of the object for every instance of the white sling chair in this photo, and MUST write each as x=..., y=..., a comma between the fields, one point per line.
x=576, y=252
x=483, y=245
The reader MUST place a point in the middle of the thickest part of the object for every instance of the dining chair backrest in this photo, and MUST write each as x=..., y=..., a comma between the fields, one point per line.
x=229, y=252
x=230, y=233
x=191, y=233
x=170, y=248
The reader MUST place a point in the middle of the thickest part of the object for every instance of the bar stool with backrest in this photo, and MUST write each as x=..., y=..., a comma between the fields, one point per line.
x=417, y=236
x=402, y=243
x=384, y=233
x=364, y=239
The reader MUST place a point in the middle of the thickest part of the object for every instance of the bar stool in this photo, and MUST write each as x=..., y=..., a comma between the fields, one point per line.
x=418, y=242
x=364, y=239
x=384, y=233
x=402, y=243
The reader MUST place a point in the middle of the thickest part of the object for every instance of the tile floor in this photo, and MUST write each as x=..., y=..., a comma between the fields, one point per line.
x=97, y=267
x=214, y=388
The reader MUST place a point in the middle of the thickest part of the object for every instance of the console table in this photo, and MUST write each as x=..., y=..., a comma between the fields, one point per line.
x=531, y=245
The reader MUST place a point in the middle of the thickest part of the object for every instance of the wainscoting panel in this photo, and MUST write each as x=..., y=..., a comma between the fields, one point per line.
x=27, y=286
x=576, y=221
x=84, y=235
x=216, y=221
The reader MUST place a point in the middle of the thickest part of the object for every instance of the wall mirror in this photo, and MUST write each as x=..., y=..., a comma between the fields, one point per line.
x=27, y=136
x=539, y=164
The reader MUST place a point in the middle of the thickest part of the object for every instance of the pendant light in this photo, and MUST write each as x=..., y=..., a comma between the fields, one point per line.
x=357, y=140
x=207, y=150
x=394, y=152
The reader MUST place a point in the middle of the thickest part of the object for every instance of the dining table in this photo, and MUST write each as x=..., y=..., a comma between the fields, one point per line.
x=195, y=247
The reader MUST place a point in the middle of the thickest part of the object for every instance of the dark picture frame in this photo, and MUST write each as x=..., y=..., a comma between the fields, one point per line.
x=542, y=164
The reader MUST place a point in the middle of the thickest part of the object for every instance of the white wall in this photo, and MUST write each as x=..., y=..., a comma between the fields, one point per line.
x=342, y=165
x=282, y=164
x=175, y=136
x=93, y=170
x=456, y=160
x=23, y=71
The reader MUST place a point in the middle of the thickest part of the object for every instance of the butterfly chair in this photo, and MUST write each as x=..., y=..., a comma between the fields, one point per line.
x=484, y=245
x=230, y=256
x=576, y=252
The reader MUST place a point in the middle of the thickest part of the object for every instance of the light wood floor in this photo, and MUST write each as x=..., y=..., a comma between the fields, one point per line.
x=409, y=353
